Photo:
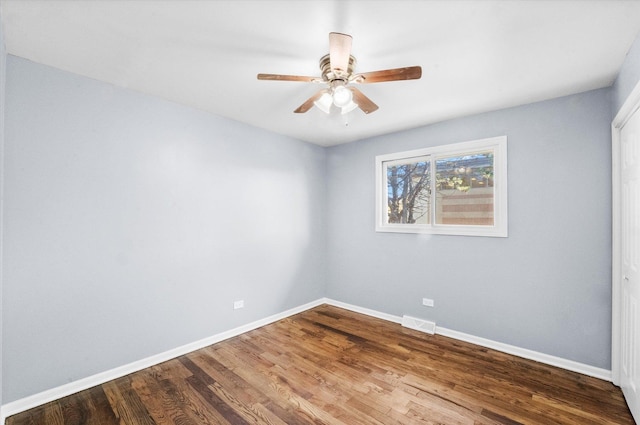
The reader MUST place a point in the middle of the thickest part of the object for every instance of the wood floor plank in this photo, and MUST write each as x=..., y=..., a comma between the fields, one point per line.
x=330, y=366
x=96, y=406
x=243, y=403
x=72, y=413
x=125, y=403
x=53, y=414
x=157, y=401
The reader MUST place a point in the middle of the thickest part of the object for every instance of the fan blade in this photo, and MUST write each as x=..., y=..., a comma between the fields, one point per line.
x=279, y=77
x=309, y=102
x=363, y=101
x=408, y=73
x=339, y=51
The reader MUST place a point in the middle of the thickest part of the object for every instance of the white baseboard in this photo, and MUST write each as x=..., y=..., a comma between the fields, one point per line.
x=367, y=311
x=571, y=365
x=560, y=362
x=39, y=399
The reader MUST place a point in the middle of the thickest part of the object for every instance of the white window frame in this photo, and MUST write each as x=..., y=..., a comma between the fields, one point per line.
x=498, y=145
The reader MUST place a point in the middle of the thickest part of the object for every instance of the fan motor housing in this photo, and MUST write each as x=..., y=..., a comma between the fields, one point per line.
x=329, y=75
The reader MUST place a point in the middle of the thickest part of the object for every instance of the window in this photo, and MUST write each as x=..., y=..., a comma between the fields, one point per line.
x=458, y=189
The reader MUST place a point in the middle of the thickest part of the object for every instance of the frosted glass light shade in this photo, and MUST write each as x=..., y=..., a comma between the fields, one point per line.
x=324, y=103
x=349, y=107
x=342, y=96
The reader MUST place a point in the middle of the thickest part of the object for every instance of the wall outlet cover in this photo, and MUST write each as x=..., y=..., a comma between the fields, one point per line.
x=428, y=302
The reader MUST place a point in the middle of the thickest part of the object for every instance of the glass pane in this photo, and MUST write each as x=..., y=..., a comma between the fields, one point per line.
x=408, y=191
x=464, y=189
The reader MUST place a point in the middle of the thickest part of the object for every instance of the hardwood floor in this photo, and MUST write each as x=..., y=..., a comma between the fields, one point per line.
x=332, y=366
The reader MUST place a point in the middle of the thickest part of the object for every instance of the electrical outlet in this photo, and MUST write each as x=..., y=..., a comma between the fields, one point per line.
x=238, y=304
x=428, y=302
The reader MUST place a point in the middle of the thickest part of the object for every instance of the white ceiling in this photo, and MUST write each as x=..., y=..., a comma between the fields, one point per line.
x=476, y=55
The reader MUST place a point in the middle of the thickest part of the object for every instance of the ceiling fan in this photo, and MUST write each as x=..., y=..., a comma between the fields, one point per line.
x=338, y=73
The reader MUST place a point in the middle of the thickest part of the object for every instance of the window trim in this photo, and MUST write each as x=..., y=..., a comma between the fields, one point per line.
x=500, y=228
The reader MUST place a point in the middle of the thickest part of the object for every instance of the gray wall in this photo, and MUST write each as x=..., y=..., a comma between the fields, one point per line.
x=3, y=57
x=132, y=224
x=546, y=287
x=627, y=78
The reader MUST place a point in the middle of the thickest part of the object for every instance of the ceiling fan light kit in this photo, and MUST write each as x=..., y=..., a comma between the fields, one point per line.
x=341, y=96
x=337, y=69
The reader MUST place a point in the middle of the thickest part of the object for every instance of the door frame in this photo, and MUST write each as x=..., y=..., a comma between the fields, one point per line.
x=630, y=105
